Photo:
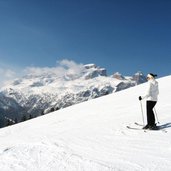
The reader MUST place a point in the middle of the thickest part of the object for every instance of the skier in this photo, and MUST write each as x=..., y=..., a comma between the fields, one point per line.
x=151, y=96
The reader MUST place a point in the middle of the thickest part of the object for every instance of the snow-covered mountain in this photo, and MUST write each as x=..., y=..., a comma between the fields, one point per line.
x=47, y=90
x=92, y=136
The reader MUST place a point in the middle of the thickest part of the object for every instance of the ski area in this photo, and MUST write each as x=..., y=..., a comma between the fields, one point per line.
x=92, y=136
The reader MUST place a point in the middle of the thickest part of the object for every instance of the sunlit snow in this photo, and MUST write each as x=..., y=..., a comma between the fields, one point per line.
x=92, y=136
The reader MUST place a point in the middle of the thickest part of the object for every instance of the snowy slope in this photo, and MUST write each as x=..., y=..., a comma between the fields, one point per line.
x=91, y=136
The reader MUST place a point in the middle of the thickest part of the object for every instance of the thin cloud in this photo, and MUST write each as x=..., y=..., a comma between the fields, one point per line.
x=6, y=75
x=64, y=69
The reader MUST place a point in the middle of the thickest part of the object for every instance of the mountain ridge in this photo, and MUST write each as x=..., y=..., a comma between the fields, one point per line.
x=44, y=91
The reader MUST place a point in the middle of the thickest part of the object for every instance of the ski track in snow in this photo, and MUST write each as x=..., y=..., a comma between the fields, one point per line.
x=91, y=136
x=41, y=157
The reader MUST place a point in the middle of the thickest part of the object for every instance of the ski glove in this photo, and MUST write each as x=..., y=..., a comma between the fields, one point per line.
x=140, y=98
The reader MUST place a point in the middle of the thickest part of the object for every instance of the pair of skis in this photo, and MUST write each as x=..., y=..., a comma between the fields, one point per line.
x=140, y=127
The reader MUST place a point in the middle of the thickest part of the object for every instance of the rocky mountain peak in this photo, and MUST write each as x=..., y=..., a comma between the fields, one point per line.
x=44, y=91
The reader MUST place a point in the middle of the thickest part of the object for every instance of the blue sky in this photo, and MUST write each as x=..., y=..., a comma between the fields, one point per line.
x=120, y=35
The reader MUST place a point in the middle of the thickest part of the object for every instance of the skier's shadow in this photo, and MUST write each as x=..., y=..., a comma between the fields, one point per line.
x=167, y=125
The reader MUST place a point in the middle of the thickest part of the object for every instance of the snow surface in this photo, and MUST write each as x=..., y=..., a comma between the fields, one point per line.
x=92, y=136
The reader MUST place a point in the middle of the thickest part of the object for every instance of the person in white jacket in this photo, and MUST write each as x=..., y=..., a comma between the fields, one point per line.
x=151, y=97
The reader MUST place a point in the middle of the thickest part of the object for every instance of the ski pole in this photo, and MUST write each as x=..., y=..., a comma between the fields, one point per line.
x=142, y=112
x=156, y=115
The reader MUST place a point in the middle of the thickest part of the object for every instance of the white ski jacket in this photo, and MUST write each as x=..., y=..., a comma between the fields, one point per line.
x=152, y=90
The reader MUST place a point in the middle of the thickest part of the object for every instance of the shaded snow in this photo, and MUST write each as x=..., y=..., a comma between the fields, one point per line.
x=91, y=136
